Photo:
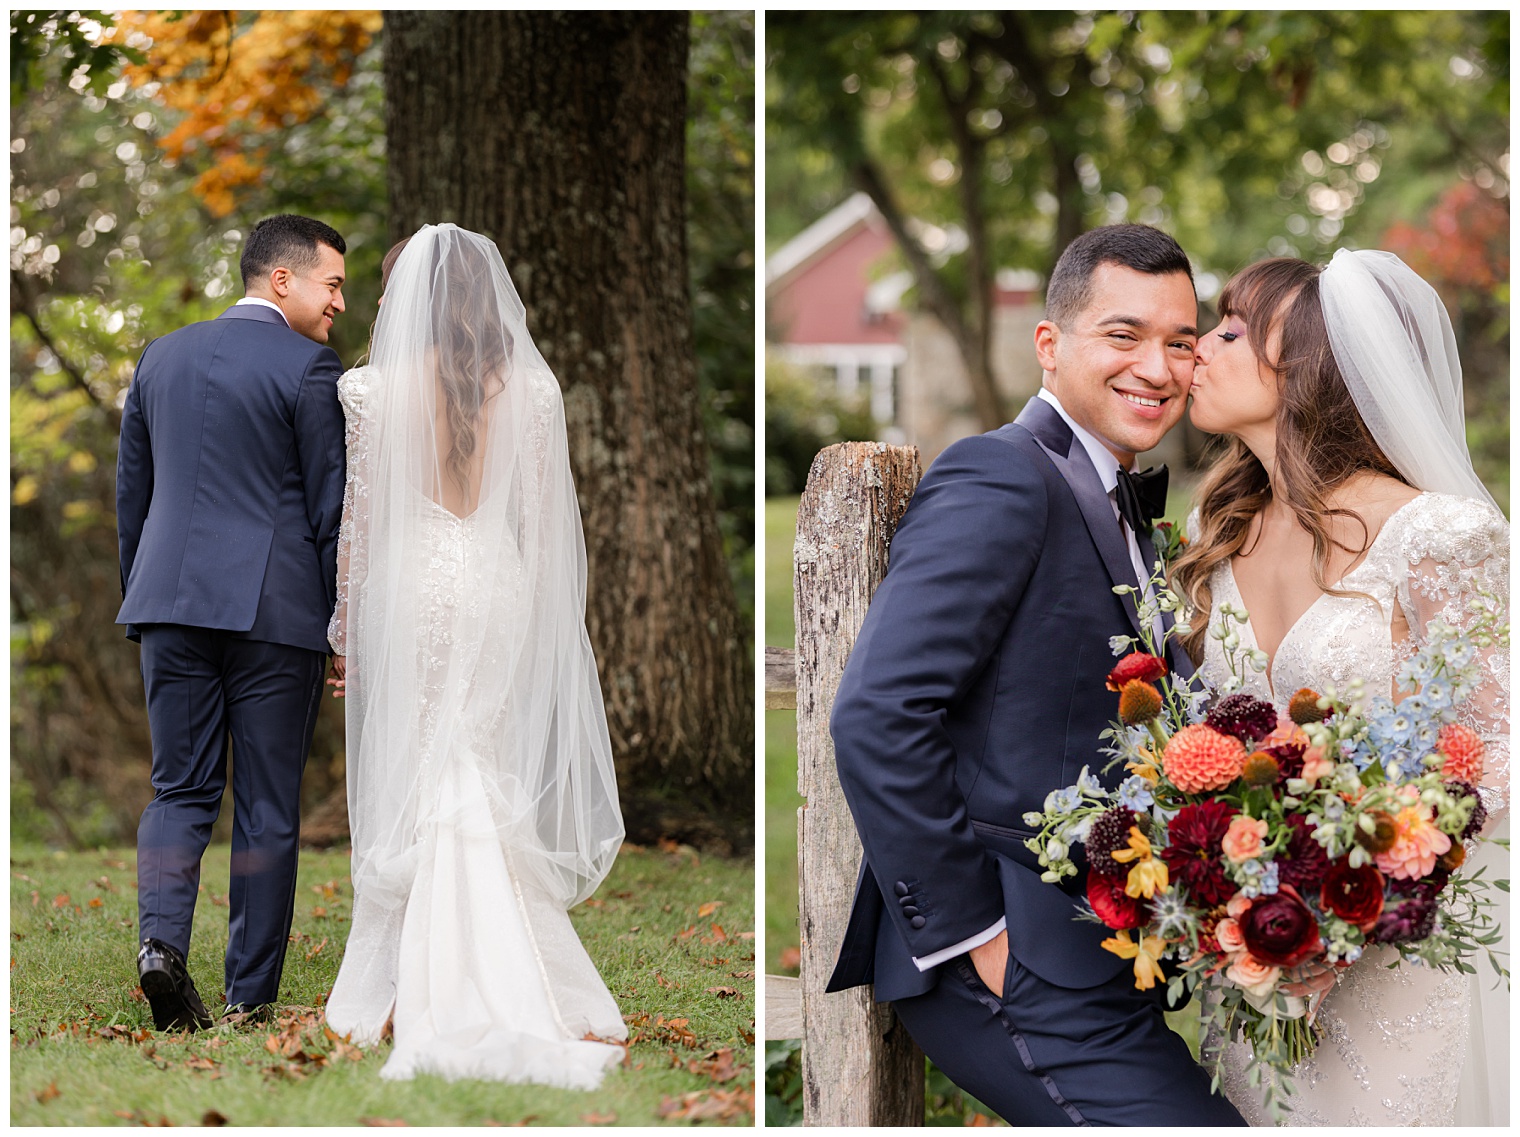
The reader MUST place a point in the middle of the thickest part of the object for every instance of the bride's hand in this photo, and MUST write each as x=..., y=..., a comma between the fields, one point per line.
x=338, y=681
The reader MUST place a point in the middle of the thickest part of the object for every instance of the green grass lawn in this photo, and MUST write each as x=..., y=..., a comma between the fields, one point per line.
x=671, y=931
x=781, y=798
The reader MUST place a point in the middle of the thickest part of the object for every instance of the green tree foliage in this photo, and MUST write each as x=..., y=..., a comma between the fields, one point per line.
x=1245, y=134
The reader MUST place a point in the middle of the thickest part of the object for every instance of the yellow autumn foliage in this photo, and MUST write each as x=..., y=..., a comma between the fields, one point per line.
x=236, y=76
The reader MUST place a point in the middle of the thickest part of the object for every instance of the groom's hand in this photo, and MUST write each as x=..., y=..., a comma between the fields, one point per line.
x=991, y=962
x=338, y=680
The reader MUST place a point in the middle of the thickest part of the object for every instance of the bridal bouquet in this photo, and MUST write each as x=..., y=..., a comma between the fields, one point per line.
x=1261, y=853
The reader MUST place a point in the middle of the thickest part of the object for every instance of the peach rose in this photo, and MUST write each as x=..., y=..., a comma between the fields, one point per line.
x=1253, y=976
x=1242, y=840
x=1238, y=906
x=1316, y=765
x=1230, y=938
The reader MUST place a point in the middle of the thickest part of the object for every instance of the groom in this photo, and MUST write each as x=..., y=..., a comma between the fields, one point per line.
x=977, y=686
x=229, y=490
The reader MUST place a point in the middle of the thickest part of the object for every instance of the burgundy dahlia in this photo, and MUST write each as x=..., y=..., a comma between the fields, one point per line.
x=1248, y=719
x=1109, y=831
x=1303, y=863
x=1290, y=759
x=1194, y=854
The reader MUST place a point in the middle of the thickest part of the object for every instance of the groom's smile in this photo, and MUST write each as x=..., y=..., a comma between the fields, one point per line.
x=1123, y=365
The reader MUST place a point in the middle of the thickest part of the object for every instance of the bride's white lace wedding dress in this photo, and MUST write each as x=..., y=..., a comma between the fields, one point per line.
x=475, y=958
x=1397, y=1044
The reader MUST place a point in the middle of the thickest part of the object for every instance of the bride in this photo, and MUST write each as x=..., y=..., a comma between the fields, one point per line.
x=481, y=794
x=1343, y=517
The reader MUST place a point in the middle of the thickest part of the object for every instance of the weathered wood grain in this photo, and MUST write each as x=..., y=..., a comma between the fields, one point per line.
x=859, y=1066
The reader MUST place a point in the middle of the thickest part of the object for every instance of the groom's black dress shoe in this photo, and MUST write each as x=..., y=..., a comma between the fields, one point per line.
x=169, y=990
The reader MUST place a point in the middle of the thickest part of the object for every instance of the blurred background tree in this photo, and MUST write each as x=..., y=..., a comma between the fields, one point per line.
x=1244, y=134
x=143, y=147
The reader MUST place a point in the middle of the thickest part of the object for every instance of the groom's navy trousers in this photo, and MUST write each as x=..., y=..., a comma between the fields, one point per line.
x=229, y=494
x=976, y=687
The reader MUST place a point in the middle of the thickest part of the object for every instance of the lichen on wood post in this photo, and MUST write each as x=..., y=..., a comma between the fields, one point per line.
x=859, y=1067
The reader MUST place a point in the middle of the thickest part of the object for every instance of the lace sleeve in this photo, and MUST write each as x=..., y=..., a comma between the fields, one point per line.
x=351, y=391
x=1457, y=552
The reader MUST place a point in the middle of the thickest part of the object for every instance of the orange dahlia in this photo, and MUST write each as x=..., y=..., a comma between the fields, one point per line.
x=1464, y=753
x=1417, y=844
x=1199, y=758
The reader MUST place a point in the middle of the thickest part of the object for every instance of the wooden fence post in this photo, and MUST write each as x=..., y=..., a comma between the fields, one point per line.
x=859, y=1066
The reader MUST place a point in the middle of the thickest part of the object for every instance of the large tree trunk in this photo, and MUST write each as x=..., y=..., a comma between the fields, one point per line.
x=562, y=137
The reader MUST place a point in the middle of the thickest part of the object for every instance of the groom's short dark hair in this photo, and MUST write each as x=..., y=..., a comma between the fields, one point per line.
x=1139, y=247
x=286, y=239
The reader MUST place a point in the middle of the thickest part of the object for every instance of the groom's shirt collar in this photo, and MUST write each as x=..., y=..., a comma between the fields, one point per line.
x=1102, y=459
x=276, y=307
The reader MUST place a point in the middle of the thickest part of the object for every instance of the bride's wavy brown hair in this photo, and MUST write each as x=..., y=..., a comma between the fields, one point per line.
x=1321, y=439
x=474, y=352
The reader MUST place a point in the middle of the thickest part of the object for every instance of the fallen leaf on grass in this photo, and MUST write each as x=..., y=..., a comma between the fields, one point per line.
x=35, y=898
x=598, y=1118
x=104, y=882
x=980, y=1120
x=718, y=1065
x=23, y=876
x=748, y=1035
x=791, y=958
x=594, y=903
x=746, y=935
x=61, y=900
x=687, y=934
x=725, y=992
x=318, y=911
x=97, y=902
x=663, y=982
x=660, y=1029
x=741, y=974
x=211, y=1117
x=316, y=951
x=199, y=1063
x=709, y=1105
x=46, y=1094
x=219, y=901
x=708, y=909
x=718, y=935
x=329, y=891
x=381, y=1121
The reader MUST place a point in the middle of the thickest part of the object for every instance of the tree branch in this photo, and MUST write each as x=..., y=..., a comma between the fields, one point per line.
x=24, y=301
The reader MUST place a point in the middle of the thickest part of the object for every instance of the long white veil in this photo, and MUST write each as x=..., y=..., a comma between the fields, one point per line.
x=466, y=430
x=1395, y=347
x=1393, y=342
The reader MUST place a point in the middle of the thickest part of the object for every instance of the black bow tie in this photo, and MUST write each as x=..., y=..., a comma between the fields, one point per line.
x=1141, y=498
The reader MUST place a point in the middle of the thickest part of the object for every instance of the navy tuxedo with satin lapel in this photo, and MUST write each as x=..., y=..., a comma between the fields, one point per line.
x=977, y=686
x=230, y=480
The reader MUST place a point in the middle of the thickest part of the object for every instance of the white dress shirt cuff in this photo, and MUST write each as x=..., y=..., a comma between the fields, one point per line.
x=961, y=948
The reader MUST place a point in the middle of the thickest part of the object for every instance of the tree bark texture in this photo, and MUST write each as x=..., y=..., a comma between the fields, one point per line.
x=859, y=1066
x=561, y=136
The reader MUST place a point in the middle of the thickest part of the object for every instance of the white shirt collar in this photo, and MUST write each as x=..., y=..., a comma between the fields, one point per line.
x=1102, y=458
x=276, y=307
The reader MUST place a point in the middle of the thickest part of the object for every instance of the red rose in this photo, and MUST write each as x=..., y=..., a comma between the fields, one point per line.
x=1280, y=929
x=1136, y=665
x=1355, y=895
x=1116, y=909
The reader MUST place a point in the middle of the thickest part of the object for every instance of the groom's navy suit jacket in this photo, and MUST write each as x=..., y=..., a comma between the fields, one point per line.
x=975, y=688
x=230, y=481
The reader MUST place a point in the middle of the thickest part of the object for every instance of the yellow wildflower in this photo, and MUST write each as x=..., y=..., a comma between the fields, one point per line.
x=1146, y=954
x=1148, y=874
